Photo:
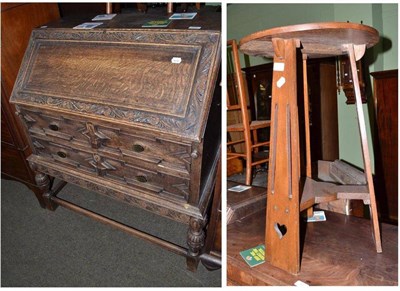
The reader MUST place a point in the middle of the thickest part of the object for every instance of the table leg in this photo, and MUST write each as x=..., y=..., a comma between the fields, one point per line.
x=43, y=181
x=282, y=223
x=307, y=117
x=310, y=211
x=195, y=241
x=356, y=52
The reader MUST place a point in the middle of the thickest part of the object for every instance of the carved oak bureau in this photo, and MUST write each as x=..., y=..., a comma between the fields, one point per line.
x=127, y=112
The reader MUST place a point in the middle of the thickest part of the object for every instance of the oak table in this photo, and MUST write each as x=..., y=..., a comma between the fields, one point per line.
x=288, y=191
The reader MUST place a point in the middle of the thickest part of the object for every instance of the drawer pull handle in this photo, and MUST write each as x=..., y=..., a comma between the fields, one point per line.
x=141, y=178
x=194, y=154
x=54, y=127
x=62, y=154
x=138, y=148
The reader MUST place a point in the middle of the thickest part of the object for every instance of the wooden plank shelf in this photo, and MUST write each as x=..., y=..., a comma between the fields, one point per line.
x=315, y=192
x=246, y=203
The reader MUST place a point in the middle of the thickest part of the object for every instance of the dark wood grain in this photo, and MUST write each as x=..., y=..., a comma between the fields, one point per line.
x=17, y=22
x=337, y=252
x=386, y=144
x=213, y=244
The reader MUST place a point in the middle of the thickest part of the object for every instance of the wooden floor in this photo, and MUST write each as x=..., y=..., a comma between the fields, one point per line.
x=339, y=251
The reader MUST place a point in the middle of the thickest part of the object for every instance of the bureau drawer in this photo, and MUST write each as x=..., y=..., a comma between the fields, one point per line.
x=110, y=140
x=134, y=173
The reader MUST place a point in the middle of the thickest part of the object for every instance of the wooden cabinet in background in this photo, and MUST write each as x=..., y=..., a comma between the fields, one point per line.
x=386, y=144
x=17, y=22
x=323, y=100
x=259, y=81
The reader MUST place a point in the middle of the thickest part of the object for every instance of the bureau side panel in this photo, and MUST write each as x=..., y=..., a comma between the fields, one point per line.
x=212, y=139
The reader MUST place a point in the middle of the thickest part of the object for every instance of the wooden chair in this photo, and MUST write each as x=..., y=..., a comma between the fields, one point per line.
x=247, y=127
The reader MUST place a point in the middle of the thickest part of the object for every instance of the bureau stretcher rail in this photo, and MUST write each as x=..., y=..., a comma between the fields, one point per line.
x=179, y=250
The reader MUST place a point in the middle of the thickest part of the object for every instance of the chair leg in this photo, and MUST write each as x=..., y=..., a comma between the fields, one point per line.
x=255, y=139
x=249, y=155
x=310, y=212
x=248, y=170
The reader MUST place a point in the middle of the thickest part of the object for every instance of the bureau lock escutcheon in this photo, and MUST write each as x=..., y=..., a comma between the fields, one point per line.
x=138, y=148
x=54, y=126
x=141, y=178
x=62, y=154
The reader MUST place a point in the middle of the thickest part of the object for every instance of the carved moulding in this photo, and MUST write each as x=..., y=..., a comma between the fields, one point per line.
x=181, y=213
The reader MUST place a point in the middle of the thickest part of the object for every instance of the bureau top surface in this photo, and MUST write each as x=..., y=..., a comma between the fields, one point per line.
x=322, y=39
x=207, y=18
x=160, y=79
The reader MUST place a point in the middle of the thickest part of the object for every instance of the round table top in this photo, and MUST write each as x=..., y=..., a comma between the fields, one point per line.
x=322, y=39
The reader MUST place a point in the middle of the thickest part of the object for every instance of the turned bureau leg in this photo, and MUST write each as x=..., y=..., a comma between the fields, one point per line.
x=43, y=182
x=195, y=240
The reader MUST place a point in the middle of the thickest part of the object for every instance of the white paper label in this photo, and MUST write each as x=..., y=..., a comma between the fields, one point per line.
x=280, y=67
x=176, y=60
x=301, y=284
x=280, y=82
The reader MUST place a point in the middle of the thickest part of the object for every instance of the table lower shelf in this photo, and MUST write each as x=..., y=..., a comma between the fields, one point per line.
x=339, y=251
x=315, y=192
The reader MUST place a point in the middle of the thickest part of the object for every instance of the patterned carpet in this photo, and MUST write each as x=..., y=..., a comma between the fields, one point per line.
x=41, y=248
